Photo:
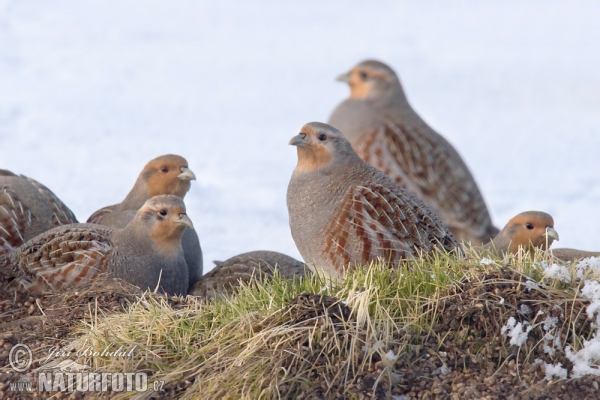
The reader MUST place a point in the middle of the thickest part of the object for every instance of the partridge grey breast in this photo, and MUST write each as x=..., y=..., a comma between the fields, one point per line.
x=526, y=230
x=345, y=212
x=167, y=174
x=225, y=278
x=387, y=133
x=146, y=252
x=27, y=208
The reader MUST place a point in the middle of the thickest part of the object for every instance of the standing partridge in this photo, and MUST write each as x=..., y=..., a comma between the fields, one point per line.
x=168, y=174
x=344, y=212
x=225, y=278
x=27, y=208
x=526, y=230
x=145, y=252
x=388, y=134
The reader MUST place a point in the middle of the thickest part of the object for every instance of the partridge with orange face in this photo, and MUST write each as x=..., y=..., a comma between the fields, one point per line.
x=344, y=212
x=388, y=134
x=527, y=230
x=27, y=208
x=168, y=174
x=225, y=278
x=145, y=252
x=534, y=229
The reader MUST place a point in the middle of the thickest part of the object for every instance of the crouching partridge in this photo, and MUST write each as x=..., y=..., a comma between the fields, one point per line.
x=225, y=278
x=27, y=208
x=168, y=174
x=534, y=229
x=345, y=212
x=147, y=252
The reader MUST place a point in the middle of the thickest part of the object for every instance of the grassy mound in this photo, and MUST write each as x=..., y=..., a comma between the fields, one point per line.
x=438, y=327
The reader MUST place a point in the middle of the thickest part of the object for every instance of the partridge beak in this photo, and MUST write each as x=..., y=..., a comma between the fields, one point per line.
x=185, y=220
x=299, y=140
x=551, y=233
x=186, y=174
x=343, y=78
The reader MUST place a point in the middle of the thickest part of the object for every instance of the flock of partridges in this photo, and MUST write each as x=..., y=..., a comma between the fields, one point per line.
x=376, y=182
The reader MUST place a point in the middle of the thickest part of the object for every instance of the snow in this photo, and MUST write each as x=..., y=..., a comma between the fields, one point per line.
x=556, y=271
x=91, y=91
x=591, y=291
x=590, y=264
x=516, y=331
x=555, y=370
x=486, y=261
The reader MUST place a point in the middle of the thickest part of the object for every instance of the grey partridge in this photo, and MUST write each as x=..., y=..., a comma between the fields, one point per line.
x=167, y=174
x=146, y=252
x=27, y=208
x=345, y=212
x=387, y=133
x=225, y=278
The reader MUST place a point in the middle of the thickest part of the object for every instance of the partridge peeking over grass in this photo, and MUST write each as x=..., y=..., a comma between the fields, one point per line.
x=388, y=134
x=168, y=174
x=526, y=230
x=27, y=208
x=147, y=250
x=345, y=212
x=534, y=229
x=246, y=267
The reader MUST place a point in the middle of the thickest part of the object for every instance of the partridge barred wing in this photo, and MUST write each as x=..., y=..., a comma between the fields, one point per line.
x=62, y=215
x=422, y=161
x=61, y=257
x=374, y=221
x=15, y=217
x=98, y=216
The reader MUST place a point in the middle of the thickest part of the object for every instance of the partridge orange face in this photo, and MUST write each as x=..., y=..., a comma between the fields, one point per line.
x=368, y=77
x=318, y=144
x=531, y=229
x=168, y=174
x=167, y=220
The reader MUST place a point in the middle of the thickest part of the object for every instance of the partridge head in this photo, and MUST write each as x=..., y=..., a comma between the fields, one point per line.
x=372, y=79
x=527, y=230
x=344, y=212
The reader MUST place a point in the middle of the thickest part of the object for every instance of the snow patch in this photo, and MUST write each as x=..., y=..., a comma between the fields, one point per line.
x=515, y=330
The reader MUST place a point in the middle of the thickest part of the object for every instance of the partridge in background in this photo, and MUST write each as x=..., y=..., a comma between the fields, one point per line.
x=27, y=208
x=345, y=212
x=147, y=250
x=388, y=134
x=526, y=230
x=168, y=174
x=225, y=278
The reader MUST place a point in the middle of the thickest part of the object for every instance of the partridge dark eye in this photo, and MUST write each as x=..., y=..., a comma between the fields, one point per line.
x=363, y=76
x=163, y=212
x=322, y=137
x=529, y=225
x=164, y=169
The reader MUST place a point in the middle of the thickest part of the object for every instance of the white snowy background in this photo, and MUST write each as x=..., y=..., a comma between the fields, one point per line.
x=92, y=90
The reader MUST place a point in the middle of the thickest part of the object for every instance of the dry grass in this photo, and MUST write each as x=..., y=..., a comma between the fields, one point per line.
x=431, y=327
